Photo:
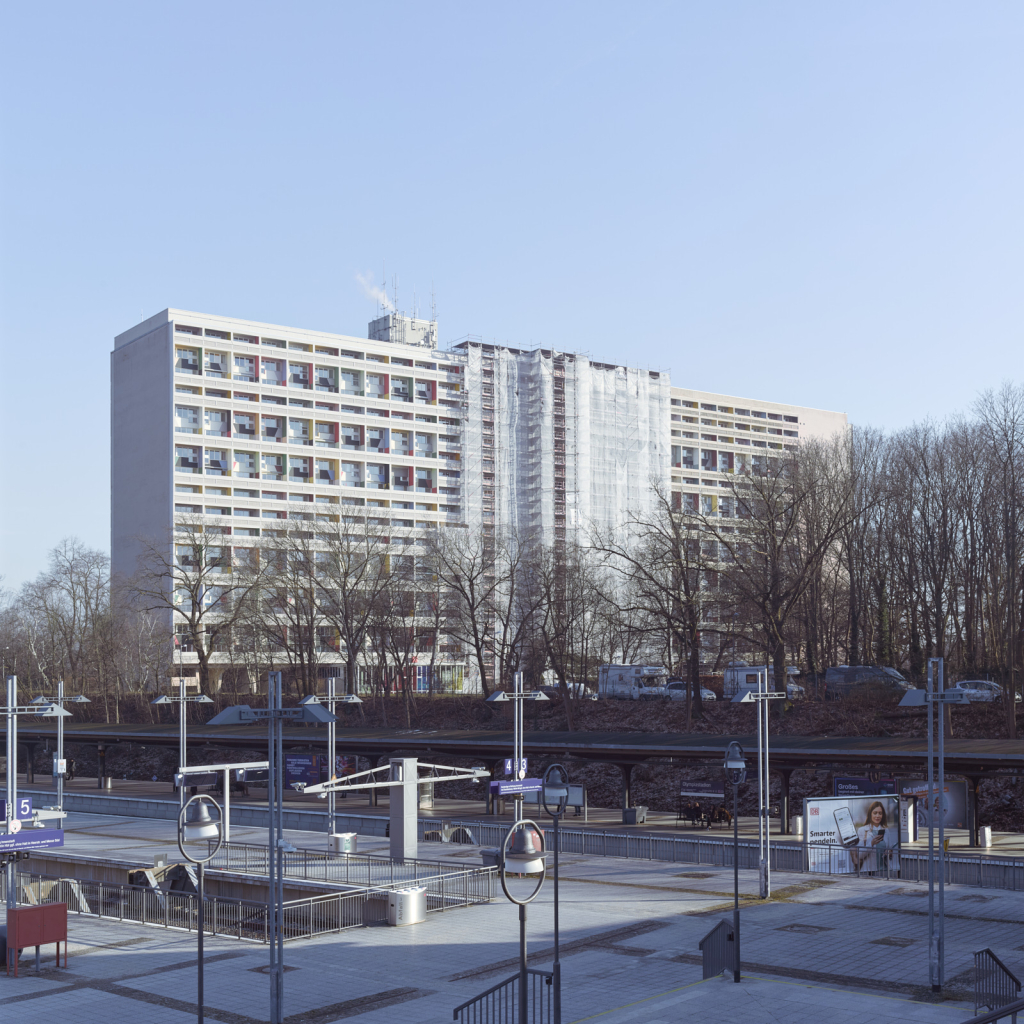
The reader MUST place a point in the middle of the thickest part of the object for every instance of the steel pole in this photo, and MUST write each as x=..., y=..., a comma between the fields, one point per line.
x=523, y=976
x=202, y=925
x=557, y=971
x=60, y=747
x=767, y=803
x=941, y=811
x=279, y=844
x=12, y=790
x=736, y=881
x=931, y=835
x=182, y=751
x=331, y=756
x=275, y=994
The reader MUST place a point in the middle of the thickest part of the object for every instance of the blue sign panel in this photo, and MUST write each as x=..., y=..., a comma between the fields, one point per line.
x=304, y=768
x=31, y=839
x=22, y=808
x=517, y=786
x=856, y=786
x=510, y=761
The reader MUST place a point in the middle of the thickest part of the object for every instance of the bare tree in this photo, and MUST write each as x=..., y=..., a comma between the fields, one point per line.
x=193, y=580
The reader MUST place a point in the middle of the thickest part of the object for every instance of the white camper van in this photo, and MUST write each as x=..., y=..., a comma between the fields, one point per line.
x=739, y=676
x=631, y=682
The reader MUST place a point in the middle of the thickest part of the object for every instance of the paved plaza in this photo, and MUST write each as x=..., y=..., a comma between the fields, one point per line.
x=823, y=948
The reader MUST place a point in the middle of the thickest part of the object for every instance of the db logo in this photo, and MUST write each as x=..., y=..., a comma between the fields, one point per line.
x=812, y=810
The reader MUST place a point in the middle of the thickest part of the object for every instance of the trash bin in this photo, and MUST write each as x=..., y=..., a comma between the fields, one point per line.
x=407, y=906
x=342, y=842
x=796, y=824
x=635, y=815
x=985, y=838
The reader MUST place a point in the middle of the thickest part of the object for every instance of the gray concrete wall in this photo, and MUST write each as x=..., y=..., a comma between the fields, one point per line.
x=141, y=446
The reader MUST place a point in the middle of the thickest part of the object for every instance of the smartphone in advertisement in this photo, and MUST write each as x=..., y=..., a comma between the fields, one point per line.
x=847, y=829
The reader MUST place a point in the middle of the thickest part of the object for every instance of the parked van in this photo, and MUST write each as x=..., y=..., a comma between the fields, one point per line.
x=631, y=682
x=845, y=680
x=740, y=676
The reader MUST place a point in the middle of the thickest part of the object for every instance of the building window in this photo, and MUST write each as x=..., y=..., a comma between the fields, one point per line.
x=218, y=423
x=186, y=360
x=245, y=369
x=186, y=419
x=216, y=364
x=245, y=424
x=272, y=372
x=299, y=470
x=298, y=431
x=326, y=378
x=186, y=460
x=298, y=375
x=216, y=462
x=244, y=465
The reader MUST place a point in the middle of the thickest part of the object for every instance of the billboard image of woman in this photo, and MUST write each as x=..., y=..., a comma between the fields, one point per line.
x=877, y=842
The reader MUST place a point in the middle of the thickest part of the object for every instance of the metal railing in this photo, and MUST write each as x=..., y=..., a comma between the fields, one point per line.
x=1009, y=1010
x=248, y=919
x=908, y=865
x=500, y=1003
x=342, y=868
x=229, y=918
x=718, y=949
x=995, y=985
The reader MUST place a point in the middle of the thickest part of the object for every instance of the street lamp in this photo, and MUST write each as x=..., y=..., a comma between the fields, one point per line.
x=181, y=700
x=331, y=701
x=736, y=771
x=556, y=796
x=518, y=761
x=201, y=827
x=59, y=764
x=526, y=855
x=761, y=698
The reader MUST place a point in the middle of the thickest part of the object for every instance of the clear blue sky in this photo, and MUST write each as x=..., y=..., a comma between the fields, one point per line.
x=814, y=203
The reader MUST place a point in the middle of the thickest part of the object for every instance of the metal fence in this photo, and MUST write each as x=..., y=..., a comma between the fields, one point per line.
x=909, y=865
x=324, y=866
x=248, y=919
x=718, y=950
x=995, y=985
x=500, y=1003
x=231, y=918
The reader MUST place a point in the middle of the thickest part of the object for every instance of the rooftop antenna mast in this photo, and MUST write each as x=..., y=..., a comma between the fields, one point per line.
x=382, y=301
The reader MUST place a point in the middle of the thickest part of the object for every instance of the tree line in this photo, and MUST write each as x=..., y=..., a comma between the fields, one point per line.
x=866, y=548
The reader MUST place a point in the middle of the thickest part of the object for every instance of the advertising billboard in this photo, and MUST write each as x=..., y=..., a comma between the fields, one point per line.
x=852, y=834
x=954, y=801
x=344, y=764
x=304, y=768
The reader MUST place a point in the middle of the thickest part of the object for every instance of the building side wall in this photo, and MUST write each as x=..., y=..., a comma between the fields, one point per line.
x=141, y=446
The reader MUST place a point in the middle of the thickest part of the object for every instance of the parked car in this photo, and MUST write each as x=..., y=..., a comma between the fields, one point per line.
x=864, y=680
x=675, y=689
x=982, y=690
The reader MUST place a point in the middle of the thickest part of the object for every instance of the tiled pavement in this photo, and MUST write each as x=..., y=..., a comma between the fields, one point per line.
x=629, y=930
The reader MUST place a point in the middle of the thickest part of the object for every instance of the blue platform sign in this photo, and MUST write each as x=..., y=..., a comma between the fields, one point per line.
x=514, y=786
x=31, y=839
x=22, y=808
x=509, y=761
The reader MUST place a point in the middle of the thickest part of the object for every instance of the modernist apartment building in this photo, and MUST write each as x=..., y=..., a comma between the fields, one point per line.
x=249, y=427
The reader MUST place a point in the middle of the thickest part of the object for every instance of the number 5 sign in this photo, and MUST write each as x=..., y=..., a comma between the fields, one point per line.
x=22, y=807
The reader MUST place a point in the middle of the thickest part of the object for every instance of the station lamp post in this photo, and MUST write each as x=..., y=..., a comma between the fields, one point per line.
x=736, y=772
x=761, y=698
x=201, y=827
x=182, y=700
x=59, y=763
x=332, y=701
x=934, y=695
x=556, y=796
